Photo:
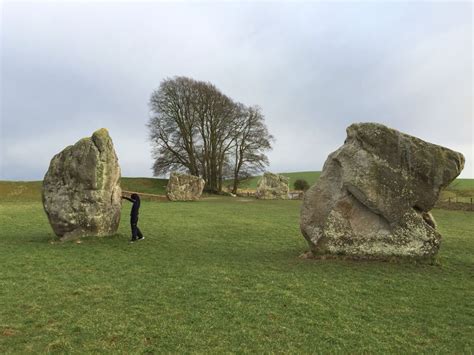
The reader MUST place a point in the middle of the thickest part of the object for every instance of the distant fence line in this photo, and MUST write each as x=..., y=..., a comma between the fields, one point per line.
x=456, y=203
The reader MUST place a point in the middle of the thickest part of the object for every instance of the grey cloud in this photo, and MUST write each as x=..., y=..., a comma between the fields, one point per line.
x=314, y=68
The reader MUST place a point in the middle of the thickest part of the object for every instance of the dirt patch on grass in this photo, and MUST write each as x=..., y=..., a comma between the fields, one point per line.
x=8, y=332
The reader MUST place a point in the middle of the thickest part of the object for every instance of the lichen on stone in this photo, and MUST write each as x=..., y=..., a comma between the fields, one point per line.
x=375, y=193
x=184, y=187
x=81, y=189
x=272, y=187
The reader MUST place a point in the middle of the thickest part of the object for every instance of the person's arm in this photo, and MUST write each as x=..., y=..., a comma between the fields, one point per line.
x=127, y=198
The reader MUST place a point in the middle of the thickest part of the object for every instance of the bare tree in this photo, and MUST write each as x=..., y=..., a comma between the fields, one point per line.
x=252, y=139
x=216, y=114
x=196, y=128
x=172, y=127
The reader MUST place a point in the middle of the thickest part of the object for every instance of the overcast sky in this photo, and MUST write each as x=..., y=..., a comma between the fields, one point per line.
x=313, y=67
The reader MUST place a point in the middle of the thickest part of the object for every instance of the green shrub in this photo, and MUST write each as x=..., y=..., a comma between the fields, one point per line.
x=301, y=184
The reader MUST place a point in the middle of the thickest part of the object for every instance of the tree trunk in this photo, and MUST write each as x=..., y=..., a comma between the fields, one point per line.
x=238, y=165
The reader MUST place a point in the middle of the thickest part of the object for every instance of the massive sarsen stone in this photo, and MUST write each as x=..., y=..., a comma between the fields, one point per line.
x=81, y=190
x=183, y=187
x=375, y=193
x=272, y=186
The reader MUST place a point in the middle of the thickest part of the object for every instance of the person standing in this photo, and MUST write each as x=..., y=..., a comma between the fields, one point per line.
x=136, y=233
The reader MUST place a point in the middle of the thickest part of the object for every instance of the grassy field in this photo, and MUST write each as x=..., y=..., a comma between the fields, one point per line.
x=463, y=189
x=223, y=275
x=460, y=190
x=14, y=191
x=462, y=185
x=144, y=185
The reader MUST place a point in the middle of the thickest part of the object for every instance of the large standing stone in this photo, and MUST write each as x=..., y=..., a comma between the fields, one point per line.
x=375, y=193
x=272, y=186
x=81, y=190
x=183, y=187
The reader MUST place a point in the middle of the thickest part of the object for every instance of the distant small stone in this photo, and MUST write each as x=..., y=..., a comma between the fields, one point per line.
x=81, y=189
x=272, y=187
x=375, y=193
x=184, y=187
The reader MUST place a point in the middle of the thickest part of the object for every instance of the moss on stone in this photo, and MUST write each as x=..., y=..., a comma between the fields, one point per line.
x=388, y=174
x=81, y=191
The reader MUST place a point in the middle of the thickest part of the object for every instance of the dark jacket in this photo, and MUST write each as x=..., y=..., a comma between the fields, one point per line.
x=135, y=199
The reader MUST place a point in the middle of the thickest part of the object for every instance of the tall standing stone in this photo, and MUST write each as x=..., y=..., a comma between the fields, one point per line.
x=81, y=189
x=184, y=187
x=375, y=193
x=272, y=187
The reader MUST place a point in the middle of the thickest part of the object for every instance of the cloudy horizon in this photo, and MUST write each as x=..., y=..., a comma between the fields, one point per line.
x=314, y=68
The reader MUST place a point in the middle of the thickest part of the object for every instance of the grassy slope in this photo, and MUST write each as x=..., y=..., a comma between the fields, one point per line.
x=223, y=275
x=20, y=190
x=12, y=191
x=463, y=189
x=462, y=184
x=145, y=185
x=460, y=190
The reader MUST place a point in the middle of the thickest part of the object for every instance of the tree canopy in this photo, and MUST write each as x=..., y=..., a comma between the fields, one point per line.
x=195, y=128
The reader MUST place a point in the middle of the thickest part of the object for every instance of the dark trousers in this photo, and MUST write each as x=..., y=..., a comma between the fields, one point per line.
x=135, y=230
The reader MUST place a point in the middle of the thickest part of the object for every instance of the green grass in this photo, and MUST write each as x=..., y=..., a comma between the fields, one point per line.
x=462, y=185
x=20, y=190
x=15, y=191
x=223, y=275
x=460, y=190
x=144, y=185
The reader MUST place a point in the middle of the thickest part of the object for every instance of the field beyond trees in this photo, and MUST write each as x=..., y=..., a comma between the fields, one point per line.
x=460, y=189
x=219, y=275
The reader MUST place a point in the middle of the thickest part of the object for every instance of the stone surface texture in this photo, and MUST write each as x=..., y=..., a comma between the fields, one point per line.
x=272, y=186
x=183, y=187
x=375, y=193
x=81, y=189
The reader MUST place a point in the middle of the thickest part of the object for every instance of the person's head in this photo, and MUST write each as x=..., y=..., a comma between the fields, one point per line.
x=135, y=197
